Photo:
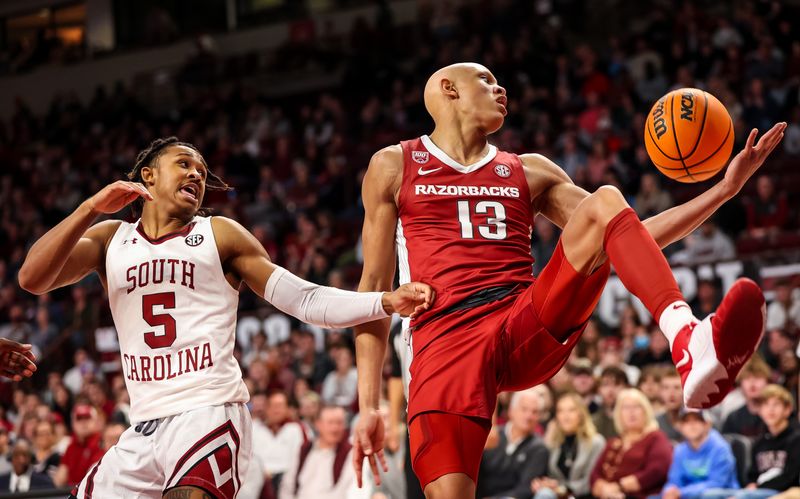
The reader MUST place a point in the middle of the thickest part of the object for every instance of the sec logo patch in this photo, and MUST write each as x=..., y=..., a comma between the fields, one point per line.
x=502, y=171
x=194, y=239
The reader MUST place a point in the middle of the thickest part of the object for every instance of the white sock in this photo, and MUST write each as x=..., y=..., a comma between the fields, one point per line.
x=673, y=318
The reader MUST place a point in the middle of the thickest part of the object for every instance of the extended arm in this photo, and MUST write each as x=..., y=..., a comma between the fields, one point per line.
x=323, y=306
x=556, y=197
x=377, y=237
x=74, y=248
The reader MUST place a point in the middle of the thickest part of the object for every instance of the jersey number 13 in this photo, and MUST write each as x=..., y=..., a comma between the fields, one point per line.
x=495, y=226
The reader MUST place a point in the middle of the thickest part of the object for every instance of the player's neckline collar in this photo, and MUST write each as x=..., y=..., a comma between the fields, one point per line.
x=444, y=158
x=182, y=232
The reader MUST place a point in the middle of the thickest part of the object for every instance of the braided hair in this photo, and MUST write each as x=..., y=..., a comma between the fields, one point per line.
x=148, y=157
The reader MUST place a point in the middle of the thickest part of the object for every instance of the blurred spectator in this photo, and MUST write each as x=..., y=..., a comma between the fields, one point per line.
x=671, y=392
x=784, y=311
x=704, y=461
x=650, y=385
x=23, y=477
x=636, y=463
x=5, y=453
x=276, y=439
x=82, y=368
x=519, y=456
x=612, y=354
x=393, y=481
x=111, y=435
x=704, y=245
x=84, y=449
x=612, y=382
x=308, y=363
x=46, y=457
x=543, y=243
x=775, y=463
x=655, y=350
x=768, y=211
x=340, y=386
x=746, y=421
x=583, y=382
x=321, y=469
x=17, y=329
x=574, y=446
x=707, y=299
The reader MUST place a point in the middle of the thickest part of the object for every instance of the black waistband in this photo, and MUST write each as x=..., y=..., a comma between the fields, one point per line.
x=476, y=299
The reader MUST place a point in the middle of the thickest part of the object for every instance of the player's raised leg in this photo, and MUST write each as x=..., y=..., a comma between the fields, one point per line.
x=708, y=353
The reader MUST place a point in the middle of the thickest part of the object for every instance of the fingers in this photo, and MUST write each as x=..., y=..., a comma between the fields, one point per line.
x=769, y=139
x=373, y=465
x=382, y=459
x=358, y=460
x=141, y=190
x=751, y=139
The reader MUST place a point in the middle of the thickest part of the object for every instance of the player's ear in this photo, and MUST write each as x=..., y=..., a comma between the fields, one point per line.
x=148, y=175
x=448, y=88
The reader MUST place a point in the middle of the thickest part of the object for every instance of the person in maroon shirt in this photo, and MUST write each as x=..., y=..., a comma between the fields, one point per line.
x=636, y=463
x=768, y=211
x=84, y=449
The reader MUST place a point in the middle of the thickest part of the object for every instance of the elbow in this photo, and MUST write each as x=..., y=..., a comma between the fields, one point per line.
x=29, y=283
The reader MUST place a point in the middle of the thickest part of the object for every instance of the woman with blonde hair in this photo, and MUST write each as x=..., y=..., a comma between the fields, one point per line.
x=636, y=463
x=574, y=447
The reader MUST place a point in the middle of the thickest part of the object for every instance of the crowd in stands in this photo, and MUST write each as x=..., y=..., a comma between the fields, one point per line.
x=296, y=164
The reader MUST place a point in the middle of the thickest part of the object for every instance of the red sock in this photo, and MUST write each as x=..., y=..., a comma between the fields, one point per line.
x=639, y=262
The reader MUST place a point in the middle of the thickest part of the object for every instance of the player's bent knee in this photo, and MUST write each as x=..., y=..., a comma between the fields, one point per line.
x=602, y=205
x=185, y=492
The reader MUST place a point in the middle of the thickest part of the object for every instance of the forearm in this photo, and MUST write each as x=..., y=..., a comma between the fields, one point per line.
x=370, y=340
x=47, y=256
x=322, y=305
x=678, y=222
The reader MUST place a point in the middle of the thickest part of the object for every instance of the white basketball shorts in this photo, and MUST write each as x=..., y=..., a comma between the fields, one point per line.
x=208, y=448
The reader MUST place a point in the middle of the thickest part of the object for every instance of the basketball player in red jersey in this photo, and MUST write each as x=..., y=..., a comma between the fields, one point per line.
x=172, y=279
x=458, y=214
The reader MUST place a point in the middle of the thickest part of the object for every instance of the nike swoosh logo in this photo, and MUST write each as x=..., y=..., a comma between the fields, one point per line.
x=685, y=360
x=426, y=172
x=676, y=307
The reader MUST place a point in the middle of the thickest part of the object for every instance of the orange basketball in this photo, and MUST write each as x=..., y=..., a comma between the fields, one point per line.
x=689, y=135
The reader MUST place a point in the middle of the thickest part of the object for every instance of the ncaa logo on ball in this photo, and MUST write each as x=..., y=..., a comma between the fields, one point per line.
x=194, y=239
x=502, y=171
x=420, y=157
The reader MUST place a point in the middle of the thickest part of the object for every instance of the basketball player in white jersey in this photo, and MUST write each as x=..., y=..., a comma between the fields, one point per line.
x=172, y=280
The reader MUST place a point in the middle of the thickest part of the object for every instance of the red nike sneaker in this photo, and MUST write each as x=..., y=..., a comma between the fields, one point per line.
x=709, y=354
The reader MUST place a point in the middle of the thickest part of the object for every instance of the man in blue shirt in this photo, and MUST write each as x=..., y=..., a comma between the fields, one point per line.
x=703, y=461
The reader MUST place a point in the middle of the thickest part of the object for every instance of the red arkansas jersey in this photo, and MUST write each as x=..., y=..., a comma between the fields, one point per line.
x=462, y=228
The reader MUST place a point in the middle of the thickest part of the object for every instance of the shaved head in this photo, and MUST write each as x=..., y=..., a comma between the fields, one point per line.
x=455, y=92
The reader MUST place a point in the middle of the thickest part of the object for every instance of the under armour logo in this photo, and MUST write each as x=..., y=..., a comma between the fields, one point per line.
x=133, y=241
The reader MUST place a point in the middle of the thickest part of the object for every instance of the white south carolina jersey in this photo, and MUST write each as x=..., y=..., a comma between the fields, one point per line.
x=175, y=315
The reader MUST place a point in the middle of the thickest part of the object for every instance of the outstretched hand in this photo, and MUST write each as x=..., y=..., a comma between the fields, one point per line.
x=16, y=360
x=750, y=159
x=409, y=300
x=368, y=443
x=118, y=195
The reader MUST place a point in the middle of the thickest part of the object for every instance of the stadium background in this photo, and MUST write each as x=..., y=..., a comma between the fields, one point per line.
x=287, y=100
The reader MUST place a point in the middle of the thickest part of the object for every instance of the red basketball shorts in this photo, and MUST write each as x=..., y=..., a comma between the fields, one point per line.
x=464, y=359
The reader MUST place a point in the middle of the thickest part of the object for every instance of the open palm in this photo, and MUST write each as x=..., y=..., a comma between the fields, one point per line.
x=750, y=159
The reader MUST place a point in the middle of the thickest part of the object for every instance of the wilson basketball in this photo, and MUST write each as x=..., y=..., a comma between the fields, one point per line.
x=689, y=135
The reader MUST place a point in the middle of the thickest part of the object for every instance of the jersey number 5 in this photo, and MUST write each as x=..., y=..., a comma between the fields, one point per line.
x=167, y=301
x=495, y=227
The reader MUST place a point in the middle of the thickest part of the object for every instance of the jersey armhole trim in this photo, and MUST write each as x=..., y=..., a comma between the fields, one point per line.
x=219, y=257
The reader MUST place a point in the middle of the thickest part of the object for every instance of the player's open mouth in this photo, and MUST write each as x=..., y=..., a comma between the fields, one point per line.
x=190, y=191
x=503, y=101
